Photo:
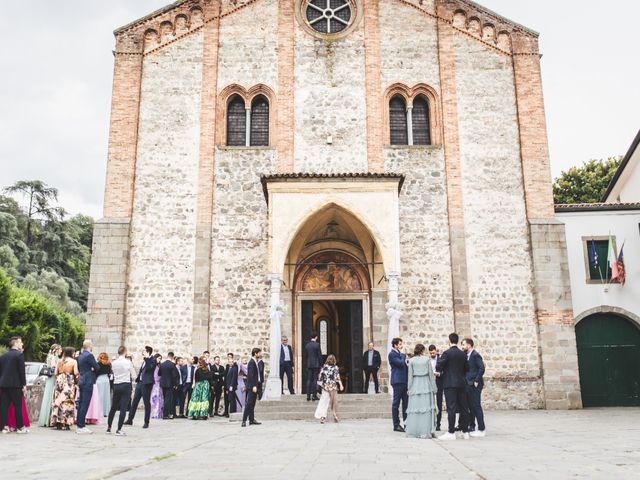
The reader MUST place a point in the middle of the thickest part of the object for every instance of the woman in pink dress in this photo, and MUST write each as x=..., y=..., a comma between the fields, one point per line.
x=157, y=400
x=11, y=418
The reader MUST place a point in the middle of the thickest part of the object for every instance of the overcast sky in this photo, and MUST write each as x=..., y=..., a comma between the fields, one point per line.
x=56, y=73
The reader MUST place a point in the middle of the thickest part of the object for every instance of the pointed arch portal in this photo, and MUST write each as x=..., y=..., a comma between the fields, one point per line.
x=332, y=238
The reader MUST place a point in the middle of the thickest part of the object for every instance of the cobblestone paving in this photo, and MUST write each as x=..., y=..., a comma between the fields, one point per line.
x=597, y=443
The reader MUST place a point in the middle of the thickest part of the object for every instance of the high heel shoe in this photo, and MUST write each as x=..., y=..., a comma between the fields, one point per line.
x=335, y=418
x=322, y=420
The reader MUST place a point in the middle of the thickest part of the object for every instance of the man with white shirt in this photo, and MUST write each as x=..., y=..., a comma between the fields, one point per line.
x=286, y=364
x=123, y=374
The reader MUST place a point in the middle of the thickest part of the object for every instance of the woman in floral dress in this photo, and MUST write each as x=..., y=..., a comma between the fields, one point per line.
x=199, y=403
x=329, y=380
x=64, y=393
x=157, y=400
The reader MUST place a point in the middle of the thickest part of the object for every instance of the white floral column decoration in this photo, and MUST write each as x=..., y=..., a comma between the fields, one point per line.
x=393, y=312
x=273, y=388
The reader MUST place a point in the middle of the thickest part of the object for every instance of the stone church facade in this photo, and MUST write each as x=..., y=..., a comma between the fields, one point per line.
x=331, y=161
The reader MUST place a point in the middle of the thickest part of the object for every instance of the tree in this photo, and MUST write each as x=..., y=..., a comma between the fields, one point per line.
x=39, y=197
x=586, y=183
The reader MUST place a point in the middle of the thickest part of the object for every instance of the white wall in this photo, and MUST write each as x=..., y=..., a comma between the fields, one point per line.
x=624, y=226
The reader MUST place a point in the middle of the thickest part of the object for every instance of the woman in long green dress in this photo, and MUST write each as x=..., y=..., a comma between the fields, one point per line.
x=47, y=398
x=199, y=403
x=422, y=410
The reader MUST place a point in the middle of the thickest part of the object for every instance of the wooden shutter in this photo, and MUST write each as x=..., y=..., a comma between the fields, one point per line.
x=420, y=118
x=398, y=121
x=259, y=122
x=236, y=122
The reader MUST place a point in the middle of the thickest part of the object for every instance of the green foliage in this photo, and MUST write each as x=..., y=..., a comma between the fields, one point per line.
x=586, y=183
x=47, y=247
x=39, y=321
x=5, y=291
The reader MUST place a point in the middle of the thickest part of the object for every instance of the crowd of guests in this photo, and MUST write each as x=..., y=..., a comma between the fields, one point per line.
x=83, y=390
x=420, y=382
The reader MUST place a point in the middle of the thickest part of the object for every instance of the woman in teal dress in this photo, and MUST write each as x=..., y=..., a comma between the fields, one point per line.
x=54, y=355
x=422, y=409
x=199, y=403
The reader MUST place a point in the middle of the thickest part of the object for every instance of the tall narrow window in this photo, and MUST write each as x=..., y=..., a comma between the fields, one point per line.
x=398, y=121
x=420, y=119
x=236, y=122
x=259, y=122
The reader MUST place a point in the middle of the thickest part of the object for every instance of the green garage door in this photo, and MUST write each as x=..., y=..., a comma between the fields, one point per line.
x=609, y=361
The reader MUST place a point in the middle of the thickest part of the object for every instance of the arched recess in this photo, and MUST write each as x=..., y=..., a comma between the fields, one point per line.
x=609, y=309
x=608, y=347
x=333, y=226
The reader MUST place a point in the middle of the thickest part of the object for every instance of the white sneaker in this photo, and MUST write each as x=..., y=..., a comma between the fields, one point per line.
x=83, y=431
x=22, y=431
x=120, y=433
x=464, y=436
x=447, y=436
x=477, y=433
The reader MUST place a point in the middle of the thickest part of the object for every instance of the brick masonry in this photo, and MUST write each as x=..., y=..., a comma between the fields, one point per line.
x=180, y=258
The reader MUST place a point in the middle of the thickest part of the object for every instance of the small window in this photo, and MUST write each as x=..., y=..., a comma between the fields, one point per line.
x=420, y=121
x=236, y=122
x=398, y=121
x=596, y=254
x=259, y=122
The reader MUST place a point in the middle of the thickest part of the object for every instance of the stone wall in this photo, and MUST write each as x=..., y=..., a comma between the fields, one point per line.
x=502, y=310
x=425, y=282
x=555, y=315
x=107, y=280
x=239, y=286
x=408, y=47
x=248, y=46
x=163, y=225
x=329, y=101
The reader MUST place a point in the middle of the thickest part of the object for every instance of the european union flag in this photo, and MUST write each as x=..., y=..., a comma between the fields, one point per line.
x=593, y=255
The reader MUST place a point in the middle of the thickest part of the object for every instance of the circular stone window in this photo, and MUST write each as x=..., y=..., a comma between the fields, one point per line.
x=328, y=19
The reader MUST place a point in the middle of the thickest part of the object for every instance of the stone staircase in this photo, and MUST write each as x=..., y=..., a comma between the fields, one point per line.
x=296, y=407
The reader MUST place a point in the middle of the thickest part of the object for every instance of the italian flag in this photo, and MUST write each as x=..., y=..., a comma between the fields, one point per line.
x=613, y=261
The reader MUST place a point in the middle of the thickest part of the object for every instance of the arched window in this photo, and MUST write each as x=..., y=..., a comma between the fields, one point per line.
x=420, y=121
x=259, y=122
x=236, y=122
x=398, y=121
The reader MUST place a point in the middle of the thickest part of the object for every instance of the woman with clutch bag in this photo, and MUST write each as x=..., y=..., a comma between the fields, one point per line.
x=329, y=381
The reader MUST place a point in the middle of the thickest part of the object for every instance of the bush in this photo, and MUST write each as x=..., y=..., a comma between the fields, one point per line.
x=39, y=321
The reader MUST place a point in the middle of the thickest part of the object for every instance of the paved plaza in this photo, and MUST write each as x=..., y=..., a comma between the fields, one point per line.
x=598, y=444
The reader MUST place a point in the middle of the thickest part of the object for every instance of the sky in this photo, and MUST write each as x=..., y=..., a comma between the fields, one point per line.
x=56, y=72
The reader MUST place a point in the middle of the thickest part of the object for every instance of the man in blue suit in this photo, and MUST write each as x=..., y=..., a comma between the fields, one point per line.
x=87, y=366
x=253, y=382
x=475, y=384
x=314, y=363
x=399, y=379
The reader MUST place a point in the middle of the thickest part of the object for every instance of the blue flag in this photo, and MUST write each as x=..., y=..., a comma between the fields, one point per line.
x=593, y=255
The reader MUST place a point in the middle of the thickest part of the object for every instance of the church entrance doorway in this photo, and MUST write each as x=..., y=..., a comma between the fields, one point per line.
x=339, y=325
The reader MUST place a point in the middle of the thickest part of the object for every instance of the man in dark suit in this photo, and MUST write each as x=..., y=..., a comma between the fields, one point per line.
x=188, y=371
x=475, y=384
x=230, y=385
x=261, y=372
x=217, y=386
x=253, y=383
x=453, y=363
x=179, y=391
x=371, y=362
x=169, y=381
x=433, y=353
x=399, y=379
x=314, y=362
x=286, y=364
x=13, y=384
x=145, y=383
x=87, y=366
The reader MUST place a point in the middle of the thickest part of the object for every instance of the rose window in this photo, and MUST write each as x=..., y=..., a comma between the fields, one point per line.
x=328, y=16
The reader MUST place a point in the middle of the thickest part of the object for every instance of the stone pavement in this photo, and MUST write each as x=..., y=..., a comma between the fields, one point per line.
x=585, y=444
